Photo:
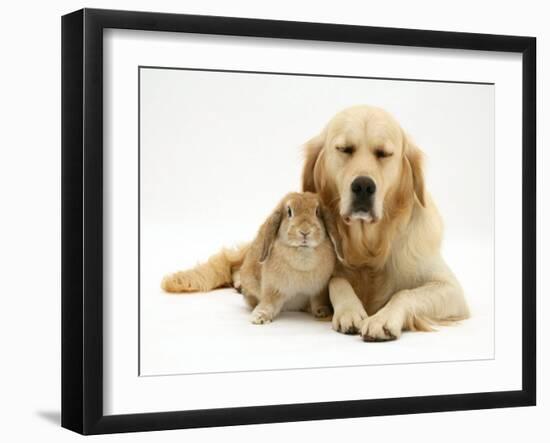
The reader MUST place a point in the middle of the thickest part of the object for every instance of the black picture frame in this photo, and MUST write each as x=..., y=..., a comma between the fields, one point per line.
x=82, y=220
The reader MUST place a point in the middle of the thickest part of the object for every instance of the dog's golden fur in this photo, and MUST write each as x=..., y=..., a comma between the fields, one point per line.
x=392, y=262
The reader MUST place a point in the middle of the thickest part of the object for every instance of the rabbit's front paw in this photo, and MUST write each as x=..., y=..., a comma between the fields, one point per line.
x=260, y=317
x=322, y=311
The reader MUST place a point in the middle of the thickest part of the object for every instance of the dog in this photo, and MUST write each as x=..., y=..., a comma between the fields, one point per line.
x=369, y=174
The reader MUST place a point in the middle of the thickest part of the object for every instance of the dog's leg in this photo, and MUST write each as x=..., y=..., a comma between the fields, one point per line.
x=416, y=309
x=349, y=312
x=269, y=306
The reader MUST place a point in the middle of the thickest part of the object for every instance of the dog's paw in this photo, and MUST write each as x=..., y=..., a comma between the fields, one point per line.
x=348, y=321
x=383, y=326
x=260, y=317
x=322, y=311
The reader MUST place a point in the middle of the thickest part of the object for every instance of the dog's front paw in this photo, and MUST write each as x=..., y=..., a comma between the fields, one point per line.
x=348, y=321
x=383, y=326
x=260, y=317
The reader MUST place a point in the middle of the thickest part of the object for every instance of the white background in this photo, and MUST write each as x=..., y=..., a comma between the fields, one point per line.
x=30, y=189
x=218, y=151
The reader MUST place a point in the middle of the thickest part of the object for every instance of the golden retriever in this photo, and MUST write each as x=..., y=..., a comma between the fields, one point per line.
x=393, y=278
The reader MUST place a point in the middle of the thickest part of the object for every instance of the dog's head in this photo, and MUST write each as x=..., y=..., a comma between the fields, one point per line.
x=364, y=161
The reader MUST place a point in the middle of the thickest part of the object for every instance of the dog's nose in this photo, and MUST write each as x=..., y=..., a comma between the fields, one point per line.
x=363, y=186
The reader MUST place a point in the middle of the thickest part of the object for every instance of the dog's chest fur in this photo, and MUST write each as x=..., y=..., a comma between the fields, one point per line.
x=408, y=263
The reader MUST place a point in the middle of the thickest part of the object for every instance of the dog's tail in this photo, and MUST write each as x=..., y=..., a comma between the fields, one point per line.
x=219, y=271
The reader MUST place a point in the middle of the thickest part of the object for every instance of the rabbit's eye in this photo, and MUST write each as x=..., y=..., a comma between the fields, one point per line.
x=289, y=212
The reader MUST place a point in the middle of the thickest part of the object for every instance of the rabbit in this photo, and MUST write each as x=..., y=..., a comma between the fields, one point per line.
x=282, y=268
x=290, y=262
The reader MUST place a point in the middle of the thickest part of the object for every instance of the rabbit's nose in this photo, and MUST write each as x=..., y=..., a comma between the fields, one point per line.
x=304, y=233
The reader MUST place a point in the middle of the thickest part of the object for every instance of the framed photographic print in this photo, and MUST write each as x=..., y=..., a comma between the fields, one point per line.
x=269, y=221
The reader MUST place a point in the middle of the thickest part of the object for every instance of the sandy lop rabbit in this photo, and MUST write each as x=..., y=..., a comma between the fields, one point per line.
x=290, y=262
x=287, y=266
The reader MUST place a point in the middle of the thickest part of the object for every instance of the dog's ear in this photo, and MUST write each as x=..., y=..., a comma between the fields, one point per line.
x=415, y=157
x=332, y=231
x=312, y=149
x=269, y=231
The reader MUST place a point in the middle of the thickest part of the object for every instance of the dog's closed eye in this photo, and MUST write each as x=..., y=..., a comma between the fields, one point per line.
x=381, y=153
x=346, y=149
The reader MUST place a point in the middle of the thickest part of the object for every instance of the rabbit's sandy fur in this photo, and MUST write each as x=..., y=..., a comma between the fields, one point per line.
x=273, y=272
x=278, y=273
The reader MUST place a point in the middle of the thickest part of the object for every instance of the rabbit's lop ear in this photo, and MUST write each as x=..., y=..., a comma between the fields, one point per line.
x=332, y=231
x=269, y=232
